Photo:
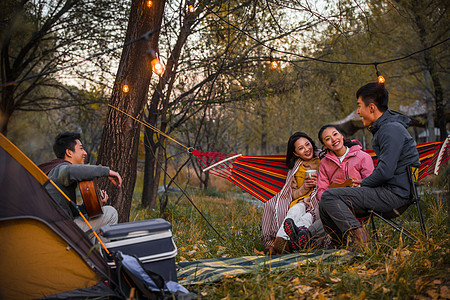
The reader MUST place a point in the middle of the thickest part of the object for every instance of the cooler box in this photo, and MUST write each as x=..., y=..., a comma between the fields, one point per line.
x=150, y=240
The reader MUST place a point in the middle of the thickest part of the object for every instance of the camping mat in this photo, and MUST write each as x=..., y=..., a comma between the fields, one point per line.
x=210, y=270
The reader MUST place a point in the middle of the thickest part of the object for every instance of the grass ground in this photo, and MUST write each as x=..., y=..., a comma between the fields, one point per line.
x=393, y=268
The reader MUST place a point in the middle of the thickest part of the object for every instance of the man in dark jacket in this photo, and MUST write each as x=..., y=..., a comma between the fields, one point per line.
x=67, y=170
x=388, y=187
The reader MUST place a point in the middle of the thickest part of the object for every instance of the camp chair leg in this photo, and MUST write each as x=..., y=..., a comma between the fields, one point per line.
x=422, y=223
x=374, y=229
x=395, y=226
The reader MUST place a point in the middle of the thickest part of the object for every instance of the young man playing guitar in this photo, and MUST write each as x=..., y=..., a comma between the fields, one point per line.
x=388, y=187
x=67, y=170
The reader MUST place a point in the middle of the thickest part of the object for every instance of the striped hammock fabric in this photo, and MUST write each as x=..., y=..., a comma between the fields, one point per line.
x=264, y=175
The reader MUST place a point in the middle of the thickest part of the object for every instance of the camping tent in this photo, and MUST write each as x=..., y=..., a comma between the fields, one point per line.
x=42, y=253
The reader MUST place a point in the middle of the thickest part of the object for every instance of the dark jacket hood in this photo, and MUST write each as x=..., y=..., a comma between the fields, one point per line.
x=48, y=166
x=390, y=116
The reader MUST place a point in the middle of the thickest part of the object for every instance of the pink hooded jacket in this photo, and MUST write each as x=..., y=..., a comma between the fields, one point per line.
x=357, y=165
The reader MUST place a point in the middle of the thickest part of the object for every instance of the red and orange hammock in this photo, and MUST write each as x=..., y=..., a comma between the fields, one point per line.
x=264, y=175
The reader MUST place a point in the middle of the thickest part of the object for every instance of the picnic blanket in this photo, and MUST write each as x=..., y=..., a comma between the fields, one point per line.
x=215, y=269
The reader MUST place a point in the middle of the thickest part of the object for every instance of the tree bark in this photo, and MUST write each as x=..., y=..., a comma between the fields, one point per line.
x=437, y=87
x=120, y=138
x=153, y=150
x=423, y=22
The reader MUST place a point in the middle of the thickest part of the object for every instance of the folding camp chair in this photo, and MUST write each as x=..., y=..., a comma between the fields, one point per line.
x=402, y=212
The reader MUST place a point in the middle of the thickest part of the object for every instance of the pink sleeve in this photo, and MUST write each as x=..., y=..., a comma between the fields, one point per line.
x=366, y=165
x=322, y=181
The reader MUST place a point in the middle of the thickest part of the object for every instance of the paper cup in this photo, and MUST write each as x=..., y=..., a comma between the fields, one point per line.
x=309, y=173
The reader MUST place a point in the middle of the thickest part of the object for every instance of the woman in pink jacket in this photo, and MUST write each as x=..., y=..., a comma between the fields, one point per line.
x=343, y=160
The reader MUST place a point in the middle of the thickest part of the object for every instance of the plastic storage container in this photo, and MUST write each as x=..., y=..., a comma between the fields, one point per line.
x=149, y=240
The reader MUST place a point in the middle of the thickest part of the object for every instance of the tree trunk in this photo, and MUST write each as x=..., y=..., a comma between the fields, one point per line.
x=6, y=108
x=149, y=168
x=120, y=138
x=438, y=96
x=430, y=65
x=153, y=151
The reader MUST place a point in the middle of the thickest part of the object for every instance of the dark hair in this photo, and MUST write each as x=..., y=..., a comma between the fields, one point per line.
x=374, y=92
x=347, y=142
x=290, y=157
x=63, y=141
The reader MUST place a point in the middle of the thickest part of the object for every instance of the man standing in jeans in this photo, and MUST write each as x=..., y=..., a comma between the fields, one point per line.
x=388, y=187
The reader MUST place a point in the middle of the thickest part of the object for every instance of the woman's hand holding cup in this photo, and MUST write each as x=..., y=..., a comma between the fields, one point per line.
x=310, y=178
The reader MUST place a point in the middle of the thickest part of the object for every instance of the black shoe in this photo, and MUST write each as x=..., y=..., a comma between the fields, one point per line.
x=291, y=230
x=303, y=238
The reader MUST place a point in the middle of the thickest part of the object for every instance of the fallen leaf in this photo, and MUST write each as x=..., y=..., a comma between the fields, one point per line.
x=335, y=279
x=362, y=295
x=301, y=289
x=191, y=253
x=343, y=296
x=295, y=281
x=182, y=259
x=386, y=290
x=433, y=293
x=322, y=297
x=258, y=252
x=445, y=293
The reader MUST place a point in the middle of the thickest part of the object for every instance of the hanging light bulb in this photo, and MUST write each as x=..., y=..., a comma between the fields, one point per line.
x=381, y=79
x=149, y=3
x=191, y=6
x=157, y=66
x=125, y=87
x=273, y=62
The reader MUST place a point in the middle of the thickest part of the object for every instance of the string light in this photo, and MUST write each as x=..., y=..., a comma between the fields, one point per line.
x=125, y=87
x=157, y=66
x=149, y=3
x=149, y=33
x=380, y=77
x=191, y=6
x=273, y=62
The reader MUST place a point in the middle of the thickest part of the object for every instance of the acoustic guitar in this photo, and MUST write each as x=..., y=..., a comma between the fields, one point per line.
x=346, y=183
x=92, y=196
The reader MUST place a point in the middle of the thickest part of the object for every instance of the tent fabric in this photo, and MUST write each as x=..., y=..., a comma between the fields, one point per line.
x=97, y=292
x=23, y=196
x=35, y=261
x=212, y=270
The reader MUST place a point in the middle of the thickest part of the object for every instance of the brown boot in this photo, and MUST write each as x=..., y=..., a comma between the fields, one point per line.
x=359, y=237
x=281, y=246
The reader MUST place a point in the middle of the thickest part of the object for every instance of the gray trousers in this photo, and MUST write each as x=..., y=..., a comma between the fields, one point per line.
x=339, y=208
x=109, y=217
